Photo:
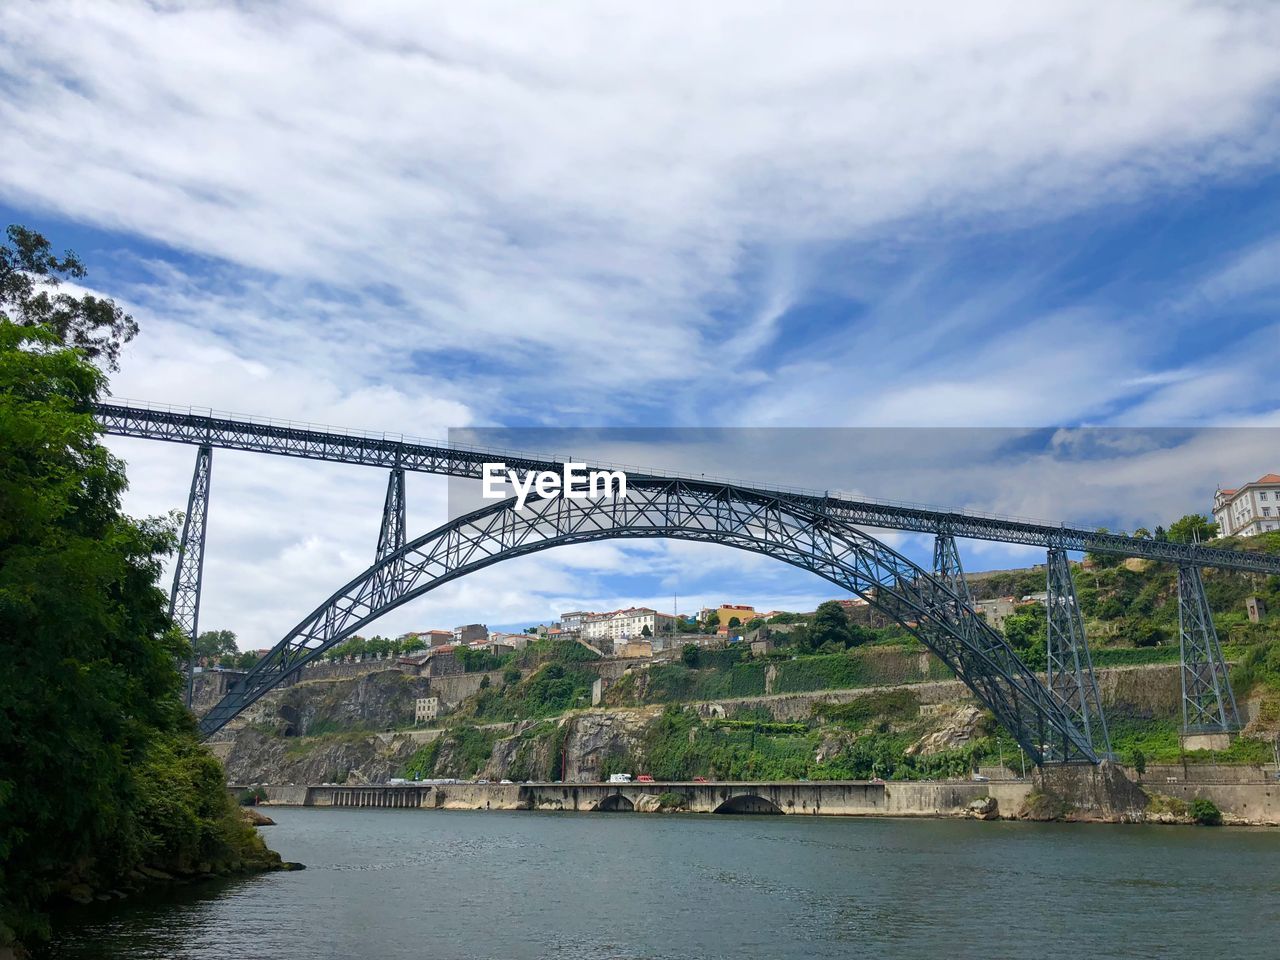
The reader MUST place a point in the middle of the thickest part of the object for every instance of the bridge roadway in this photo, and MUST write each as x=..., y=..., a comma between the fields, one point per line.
x=283, y=438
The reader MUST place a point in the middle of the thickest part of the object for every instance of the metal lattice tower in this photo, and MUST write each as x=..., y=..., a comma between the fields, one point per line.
x=1208, y=704
x=947, y=567
x=391, y=537
x=1070, y=668
x=184, y=599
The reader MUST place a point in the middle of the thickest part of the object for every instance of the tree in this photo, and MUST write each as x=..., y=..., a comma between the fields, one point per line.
x=645, y=631
x=100, y=768
x=829, y=625
x=1139, y=761
x=1027, y=632
x=690, y=655
x=712, y=623
x=1193, y=528
x=734, y=623
x=30, y=275
x=215, y=644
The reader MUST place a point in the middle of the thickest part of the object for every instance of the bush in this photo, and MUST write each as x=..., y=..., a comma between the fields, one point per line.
x=1205, y=812
x=672, y=801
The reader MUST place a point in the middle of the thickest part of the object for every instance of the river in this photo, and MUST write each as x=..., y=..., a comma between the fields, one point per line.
x=391, y=884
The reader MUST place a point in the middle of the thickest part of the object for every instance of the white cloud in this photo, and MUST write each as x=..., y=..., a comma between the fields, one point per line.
x=404, y=217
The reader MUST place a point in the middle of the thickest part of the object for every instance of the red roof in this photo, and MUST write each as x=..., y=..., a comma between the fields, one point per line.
x=1269, y=478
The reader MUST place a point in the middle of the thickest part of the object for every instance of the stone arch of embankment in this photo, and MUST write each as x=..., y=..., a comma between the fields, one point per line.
x=748, y=803
x=615, y=803
x=770, y=524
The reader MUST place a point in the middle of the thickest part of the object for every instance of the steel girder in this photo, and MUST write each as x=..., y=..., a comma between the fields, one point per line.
x=188, y=572
x=388, y=450
x=1208, y=702
x=391, y=536
x=948, y=569
x=1070, y=667
x=689, y=510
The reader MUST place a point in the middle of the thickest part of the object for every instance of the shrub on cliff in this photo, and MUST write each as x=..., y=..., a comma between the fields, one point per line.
x=1206, y=812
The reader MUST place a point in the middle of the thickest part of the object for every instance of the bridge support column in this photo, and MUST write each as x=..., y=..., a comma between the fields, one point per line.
x=1209, y=715
x=947, y=567
x=184, y=598
x=1070, y=668
x=391, y=537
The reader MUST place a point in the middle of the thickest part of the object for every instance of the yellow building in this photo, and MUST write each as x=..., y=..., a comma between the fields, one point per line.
x=743, y=612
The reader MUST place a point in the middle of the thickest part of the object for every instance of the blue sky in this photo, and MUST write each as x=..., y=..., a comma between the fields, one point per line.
x=802, y=215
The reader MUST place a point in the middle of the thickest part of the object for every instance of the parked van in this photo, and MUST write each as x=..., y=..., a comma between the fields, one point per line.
x=619, y=778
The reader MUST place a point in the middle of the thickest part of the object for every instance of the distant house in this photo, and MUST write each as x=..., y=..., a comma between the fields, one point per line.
x=1249, y=510
x=471, y=633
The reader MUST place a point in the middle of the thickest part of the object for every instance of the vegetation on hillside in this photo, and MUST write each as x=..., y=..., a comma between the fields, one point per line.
x=100, y=768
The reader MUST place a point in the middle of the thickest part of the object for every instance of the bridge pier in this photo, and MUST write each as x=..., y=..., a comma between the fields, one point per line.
x=188, y=572
x=1069, y=669
x=1209, y=715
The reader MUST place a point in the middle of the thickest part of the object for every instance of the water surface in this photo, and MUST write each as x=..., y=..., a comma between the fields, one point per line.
x=391, y=884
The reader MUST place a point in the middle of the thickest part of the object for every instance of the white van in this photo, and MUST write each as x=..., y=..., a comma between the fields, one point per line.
x=619, y=778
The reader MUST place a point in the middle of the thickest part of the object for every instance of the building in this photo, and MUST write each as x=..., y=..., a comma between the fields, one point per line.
x=727, y=611
x=1249, y=510
x=471, y=633
x=571, y=622
x=426, y=709
x=996, y=610
x=626, y=624
x=513, y=641
x=438, y=638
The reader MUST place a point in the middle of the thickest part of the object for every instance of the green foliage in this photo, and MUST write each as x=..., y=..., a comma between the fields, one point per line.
x=549, y=690
x=460, y=753
x=1027, y=632
x=100, y=768
x=689, y=655
x=482, y=661
x=554, y=651
x=1205, y=812
x=30, y=274
x=881, y=706
x=1138, y=760
x=669, y=800
x=1193, y=528
x=216, y=645
x=834, y=671
x=1258, y=667
x=422, y=765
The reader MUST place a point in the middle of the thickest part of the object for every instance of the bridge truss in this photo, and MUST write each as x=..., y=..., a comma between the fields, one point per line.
x=1208, y=700
x=688, y=510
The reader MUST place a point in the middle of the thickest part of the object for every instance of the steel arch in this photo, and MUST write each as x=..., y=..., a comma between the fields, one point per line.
x=682, y=509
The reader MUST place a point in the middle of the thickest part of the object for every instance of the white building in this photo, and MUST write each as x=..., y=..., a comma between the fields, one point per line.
x=1248, y=510
x=426, y=709
x=626, y=624
x=571, y=622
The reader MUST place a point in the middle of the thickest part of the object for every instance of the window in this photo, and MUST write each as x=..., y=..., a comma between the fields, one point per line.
x=1266, y=511
x=1262, y=495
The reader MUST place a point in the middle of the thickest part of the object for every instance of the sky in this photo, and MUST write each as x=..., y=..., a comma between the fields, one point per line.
x=897, y=223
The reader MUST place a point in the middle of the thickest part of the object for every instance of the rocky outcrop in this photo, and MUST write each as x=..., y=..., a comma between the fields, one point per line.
x=958, y=728
x=259, y=757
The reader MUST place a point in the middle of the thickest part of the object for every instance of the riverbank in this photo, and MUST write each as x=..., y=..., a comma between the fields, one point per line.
x=1101, y=794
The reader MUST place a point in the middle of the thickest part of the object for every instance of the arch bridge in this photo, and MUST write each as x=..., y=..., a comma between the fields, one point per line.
x=1055, y=719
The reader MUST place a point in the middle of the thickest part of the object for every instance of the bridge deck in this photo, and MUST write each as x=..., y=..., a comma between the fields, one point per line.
x=392, y=450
